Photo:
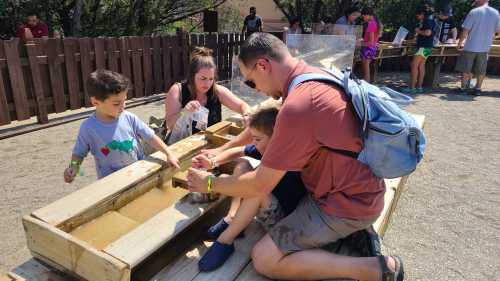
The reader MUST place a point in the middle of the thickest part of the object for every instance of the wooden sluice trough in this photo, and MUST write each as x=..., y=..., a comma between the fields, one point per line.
x=134, y=225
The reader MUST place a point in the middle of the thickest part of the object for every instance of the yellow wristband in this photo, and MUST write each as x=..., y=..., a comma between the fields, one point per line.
x=209, y=184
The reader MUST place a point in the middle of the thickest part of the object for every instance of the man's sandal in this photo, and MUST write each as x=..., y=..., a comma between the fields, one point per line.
x=387, y=274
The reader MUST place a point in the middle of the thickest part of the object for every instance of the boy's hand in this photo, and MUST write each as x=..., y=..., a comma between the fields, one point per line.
x=202, y=162
x=69, y=174
x=173, y=161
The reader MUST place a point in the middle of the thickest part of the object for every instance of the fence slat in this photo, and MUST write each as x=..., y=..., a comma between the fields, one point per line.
x=156, y=42
x=42, y=115
x=176, y=59
x=56, y=79
x=86, y=64
x=16, y=79
x=147, y=65
x=72, y=75
x=100, y=59
x=167, y=61
x=137, y=67
x=4, y=107
x=112, y=55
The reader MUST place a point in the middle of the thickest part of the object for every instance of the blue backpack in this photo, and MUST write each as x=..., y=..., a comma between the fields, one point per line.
x=393, y=142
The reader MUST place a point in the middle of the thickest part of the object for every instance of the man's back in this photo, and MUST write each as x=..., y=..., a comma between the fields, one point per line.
x=482, y=23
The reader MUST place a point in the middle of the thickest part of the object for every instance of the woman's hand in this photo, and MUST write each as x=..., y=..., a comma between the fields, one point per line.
x=192, y=106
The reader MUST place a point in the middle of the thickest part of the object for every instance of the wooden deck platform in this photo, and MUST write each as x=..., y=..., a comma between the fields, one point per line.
x=181, y=262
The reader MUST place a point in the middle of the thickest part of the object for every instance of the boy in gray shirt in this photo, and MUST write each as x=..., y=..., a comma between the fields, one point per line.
x=479, y=28
x=112, y=134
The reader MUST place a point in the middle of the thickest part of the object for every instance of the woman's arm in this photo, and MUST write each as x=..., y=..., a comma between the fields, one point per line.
x=172, y=106
x=231, y=101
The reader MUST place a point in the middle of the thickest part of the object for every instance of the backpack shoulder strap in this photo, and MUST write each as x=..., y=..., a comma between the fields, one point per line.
x=332, y=79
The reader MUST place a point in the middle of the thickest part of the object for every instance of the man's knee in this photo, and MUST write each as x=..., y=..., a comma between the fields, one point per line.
x=265, y=256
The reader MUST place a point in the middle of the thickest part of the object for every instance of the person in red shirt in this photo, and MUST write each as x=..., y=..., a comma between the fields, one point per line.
x=33, y=28
x=344, y=196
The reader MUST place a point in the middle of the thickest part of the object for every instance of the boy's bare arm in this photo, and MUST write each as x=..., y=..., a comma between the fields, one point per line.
x=158, y=144
x=242, y=139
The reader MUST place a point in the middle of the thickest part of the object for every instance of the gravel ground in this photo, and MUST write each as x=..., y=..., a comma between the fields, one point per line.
x=446, y=225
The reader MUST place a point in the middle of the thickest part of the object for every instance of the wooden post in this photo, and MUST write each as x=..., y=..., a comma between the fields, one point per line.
x=167, y=61
x=112, y=54
x=70, y=50
x=86, y=64
x=56, y=79
x=42, y=115
x=100, y=58
x=17, y=79
x=147, y=65
x=125, y=60
x=4, y=107
x=157, y=64
x=138, y=84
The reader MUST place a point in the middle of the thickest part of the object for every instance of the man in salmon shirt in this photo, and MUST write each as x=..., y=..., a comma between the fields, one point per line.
x=33, y=28
x=344, y=196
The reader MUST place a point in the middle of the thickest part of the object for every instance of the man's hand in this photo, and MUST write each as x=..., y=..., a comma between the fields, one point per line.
x=198, y=180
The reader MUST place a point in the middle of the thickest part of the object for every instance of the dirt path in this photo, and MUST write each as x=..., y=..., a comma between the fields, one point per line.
x=446, y=225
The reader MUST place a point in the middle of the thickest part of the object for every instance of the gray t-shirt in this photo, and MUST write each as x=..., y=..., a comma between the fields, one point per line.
x=113, y=145
x=482, y=23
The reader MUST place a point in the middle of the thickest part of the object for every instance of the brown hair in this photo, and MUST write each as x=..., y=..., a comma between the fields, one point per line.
x=103, y=83
x=260, y=45
x=264, y=119
x=200, y=57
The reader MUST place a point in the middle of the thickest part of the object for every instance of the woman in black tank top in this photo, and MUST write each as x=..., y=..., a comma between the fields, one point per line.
x=199, y=90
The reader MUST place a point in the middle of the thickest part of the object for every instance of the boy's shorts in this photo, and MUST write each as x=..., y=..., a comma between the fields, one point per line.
x=309, y=227
x=424, y=52
x=472, y=62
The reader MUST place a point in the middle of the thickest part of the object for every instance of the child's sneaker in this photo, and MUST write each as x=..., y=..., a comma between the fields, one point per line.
x=216, y=256
x=420, y=91
x=409, y=90
x=215, y=230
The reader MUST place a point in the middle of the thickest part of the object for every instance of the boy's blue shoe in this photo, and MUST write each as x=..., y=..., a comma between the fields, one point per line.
x=215, y=256
x=215, y=230
x=420, y=90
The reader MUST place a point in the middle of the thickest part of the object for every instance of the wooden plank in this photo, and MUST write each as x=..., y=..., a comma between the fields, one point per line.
x=70, y=49
x=138, y=244
x=167, y=61
x=4, y=108
x=157, y=65
x=55, y=72
x=218, y=127
x=138, y=84
x=17, y=79
x=85, y=199
x=86, y=64
x=42, y=114
x=112, y=54
x=76, y=256
x=147, y=65
x=185, y=267
x=100, y=59
x=37, y=270
x=125, y=60
x=176, y=52
x=249, y=274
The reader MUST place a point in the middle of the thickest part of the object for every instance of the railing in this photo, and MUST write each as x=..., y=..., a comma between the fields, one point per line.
x=48, y=75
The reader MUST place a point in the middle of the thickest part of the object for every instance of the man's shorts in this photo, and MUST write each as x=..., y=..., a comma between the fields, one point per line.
x=308, y=227
x=472, y=62
x=271, y=215
x=424, y=52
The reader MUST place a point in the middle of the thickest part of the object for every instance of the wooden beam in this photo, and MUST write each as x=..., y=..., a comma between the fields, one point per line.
x=101, y=191
x=72, y=254
x=137, y=245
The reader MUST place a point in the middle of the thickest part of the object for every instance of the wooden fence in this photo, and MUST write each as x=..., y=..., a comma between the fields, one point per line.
x=48, y=75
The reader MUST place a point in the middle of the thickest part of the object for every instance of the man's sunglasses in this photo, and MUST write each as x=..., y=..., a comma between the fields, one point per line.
x=250, y=83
